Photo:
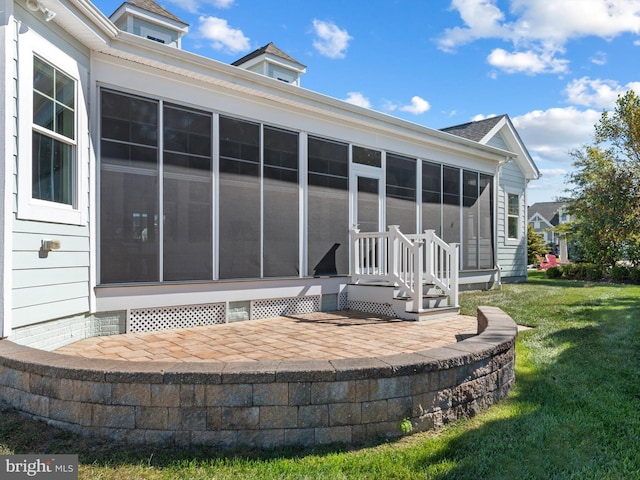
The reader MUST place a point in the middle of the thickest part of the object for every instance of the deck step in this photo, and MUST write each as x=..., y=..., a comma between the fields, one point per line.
x=388, y=298
x=433, y=314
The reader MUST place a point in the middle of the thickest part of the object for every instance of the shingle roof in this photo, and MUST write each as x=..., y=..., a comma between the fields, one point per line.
x=153, y=7
x=269, y=48
x=547, y=210
x=475, y=131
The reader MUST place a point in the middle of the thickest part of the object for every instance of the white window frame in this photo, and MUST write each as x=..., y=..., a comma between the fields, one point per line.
x=512, y=240
x=29, y=208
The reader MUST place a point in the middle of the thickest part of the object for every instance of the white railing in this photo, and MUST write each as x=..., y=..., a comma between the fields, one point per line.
x=406, y=261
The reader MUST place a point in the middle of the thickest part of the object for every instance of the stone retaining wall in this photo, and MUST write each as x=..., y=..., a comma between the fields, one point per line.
x=263, y=404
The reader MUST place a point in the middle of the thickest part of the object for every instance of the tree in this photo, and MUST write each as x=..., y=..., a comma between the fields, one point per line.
x=535, y=245
x=606, y=187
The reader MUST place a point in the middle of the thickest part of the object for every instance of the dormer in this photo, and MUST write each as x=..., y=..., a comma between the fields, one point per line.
x=147, y=19
x=273, y=62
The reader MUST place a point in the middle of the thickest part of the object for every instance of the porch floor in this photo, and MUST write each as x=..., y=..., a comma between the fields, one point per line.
x=312, y=336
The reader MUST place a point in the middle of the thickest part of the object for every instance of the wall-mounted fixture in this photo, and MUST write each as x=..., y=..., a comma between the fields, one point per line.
x=48, y=245
x=35, y=5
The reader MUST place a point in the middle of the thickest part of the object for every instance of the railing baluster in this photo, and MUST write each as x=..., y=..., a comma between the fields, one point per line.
x=406, y=261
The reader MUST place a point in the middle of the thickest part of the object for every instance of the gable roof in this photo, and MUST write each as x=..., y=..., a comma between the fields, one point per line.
x=153, y=7
x=475, y=131
x=483, y=131
x=268, y=48
x=547, y=210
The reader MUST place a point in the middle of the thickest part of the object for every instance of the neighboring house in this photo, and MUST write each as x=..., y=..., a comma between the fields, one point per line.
x=513, y=175
x=149, y=187
x=544, y=217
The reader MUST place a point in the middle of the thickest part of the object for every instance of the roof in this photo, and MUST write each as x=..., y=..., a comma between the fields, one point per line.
x=484, y=131
x=98, y=33
x=269, y=48
x=547, y=210
x=475, y=131
x=153, y=7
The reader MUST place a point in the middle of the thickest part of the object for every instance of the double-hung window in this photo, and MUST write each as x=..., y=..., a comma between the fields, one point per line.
x=54, y=134
x=52, y=117
x=513, y=216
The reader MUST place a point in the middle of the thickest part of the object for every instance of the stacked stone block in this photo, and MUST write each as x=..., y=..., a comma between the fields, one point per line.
x=263, y=404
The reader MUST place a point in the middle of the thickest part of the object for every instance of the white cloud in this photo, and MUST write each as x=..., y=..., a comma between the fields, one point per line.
x=537, y=29
x=222, y=36
x=330, y=41
x=480, y=116
x=193, y=6
x=597, y=93
x=599, y=58
x=528, y=62
x=554, y=132
x=550, y=135
x=418, y=106
x=357, y=98
x=482, y=19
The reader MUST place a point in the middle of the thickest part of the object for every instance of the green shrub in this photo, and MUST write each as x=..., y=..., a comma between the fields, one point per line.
x=574, y=271
x=593, y=272
x=554, y=272
x=634, y=274
x=619, y=273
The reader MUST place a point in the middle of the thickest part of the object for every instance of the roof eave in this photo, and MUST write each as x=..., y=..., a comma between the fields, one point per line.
x=108, y=39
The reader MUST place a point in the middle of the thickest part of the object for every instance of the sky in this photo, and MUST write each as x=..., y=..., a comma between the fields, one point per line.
x=552, y=65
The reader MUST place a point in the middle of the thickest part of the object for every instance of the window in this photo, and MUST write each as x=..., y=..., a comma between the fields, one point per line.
x=54, y=134
x=366, y=156
x=513, y=216
x=451, y=204
x=129, y=189
x=432, y=197
x=155, y=204
x=52, y=162
x=328, y=208
x=401, y=192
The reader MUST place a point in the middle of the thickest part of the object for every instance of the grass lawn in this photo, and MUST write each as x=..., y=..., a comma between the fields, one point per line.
x=574, y=412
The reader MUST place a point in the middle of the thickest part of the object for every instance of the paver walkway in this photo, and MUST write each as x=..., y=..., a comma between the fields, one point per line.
x=312, y=336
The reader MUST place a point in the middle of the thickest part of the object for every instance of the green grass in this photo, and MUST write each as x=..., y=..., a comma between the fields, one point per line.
x=574, y=412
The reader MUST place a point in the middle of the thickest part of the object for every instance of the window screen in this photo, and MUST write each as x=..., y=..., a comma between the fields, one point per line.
x=451, y=204
x=129, y=246
x=432, y=197
x=328, y=207
x=401, y=192
x=239, y=199
x=281, y=232
x=187, y=195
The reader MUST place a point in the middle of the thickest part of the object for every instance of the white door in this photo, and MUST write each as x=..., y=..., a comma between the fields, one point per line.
x=367, y=200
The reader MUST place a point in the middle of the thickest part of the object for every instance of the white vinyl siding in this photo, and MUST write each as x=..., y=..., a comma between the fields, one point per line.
x=54, y=284
x=512, y=257
x=498, y=142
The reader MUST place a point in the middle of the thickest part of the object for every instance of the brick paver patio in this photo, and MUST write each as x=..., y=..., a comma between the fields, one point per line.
x=312, y=336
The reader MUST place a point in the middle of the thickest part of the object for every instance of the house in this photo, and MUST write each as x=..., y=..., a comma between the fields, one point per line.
x=148, y=187
x=512, y=178
x=545, y=217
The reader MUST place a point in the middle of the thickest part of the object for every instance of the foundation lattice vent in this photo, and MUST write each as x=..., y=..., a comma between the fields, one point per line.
x=183, y=316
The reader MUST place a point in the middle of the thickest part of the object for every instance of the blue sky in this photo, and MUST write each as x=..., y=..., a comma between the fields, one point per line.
x=552, y=66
